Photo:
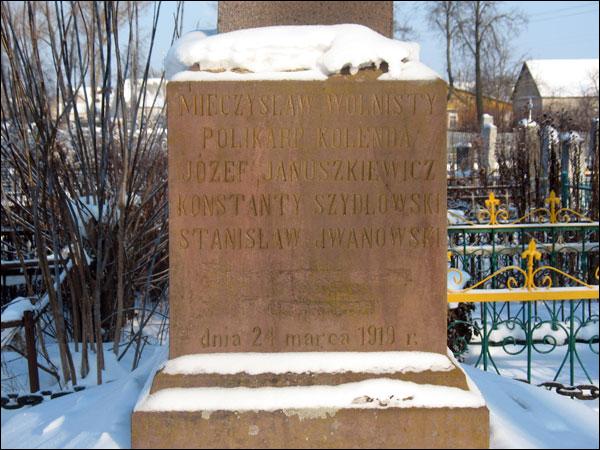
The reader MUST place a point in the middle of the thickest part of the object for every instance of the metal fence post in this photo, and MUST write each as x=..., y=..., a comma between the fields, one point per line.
x=29, y=324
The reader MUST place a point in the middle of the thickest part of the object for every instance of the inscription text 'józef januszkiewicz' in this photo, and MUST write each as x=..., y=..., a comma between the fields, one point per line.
x=307, y=215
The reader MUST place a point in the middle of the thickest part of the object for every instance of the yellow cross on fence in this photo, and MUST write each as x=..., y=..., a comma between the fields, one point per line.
x=491, y=203
x=553, y=203
x=531, y=254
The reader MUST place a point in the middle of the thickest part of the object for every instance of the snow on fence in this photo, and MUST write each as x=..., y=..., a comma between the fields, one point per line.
x=514, y=308
x=498, y=211
x=22, y=313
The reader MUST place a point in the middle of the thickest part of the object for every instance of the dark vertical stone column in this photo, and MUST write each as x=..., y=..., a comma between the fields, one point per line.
x=235, y=15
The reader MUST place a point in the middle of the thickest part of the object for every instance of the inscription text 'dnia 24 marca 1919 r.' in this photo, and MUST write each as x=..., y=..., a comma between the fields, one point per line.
x=305, y=216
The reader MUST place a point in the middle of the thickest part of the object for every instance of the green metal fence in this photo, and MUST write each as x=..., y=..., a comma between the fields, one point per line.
x=485, y=330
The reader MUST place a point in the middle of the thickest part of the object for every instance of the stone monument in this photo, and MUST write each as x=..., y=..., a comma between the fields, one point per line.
x=308, y=270
x=235, y=15
x=489, y=135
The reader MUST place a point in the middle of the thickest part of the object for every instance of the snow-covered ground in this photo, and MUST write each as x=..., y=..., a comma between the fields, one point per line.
x=543, y=366
x=98, y=417
x=525, y=416
x=522, y=416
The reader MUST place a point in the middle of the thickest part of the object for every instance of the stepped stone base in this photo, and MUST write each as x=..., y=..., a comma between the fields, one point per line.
x=346, y=428
x=452, y=378
x=390, y=427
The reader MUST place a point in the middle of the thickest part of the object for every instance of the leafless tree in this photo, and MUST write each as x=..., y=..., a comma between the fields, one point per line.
x=500, y=69
x=485, y=29
x=443, y=15
x=90, y=164
x=586, y=108
x=403, y=28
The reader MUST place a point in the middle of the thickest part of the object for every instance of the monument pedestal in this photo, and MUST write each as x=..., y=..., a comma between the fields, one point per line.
x=405, y=408
x=308, y=252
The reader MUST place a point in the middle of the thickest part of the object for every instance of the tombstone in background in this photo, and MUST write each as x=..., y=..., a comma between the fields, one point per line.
x=548, y=145
x=569, y=142
x=308, y=270
x=464, y=159
x=593, y=140
x=489, y=133
x=235, y=15
x=533, y=145
x=565, y=159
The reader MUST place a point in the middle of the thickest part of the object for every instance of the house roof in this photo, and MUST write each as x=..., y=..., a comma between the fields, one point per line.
x=564, y=77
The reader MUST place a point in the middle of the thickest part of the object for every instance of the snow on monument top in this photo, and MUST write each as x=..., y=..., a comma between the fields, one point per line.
x=304, y=52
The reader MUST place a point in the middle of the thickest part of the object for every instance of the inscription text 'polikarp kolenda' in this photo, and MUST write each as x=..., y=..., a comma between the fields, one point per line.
x=307, y=216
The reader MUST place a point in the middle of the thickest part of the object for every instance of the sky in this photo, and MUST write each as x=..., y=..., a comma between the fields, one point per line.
x=559, y=29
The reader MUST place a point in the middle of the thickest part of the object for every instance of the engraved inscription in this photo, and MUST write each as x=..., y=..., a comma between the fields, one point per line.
x=214, y=104
x=350, y=170
x=293, y=105
x=307, y=215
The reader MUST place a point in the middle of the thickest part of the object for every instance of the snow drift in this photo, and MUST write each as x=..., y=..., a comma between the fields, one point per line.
x=304, y=52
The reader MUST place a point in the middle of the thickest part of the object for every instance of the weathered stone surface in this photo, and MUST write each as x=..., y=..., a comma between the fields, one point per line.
x=235, y=15
x=307, y=216
x=345, y=428
x=452, y=378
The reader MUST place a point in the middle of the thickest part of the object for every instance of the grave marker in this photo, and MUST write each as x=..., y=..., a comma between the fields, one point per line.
x=307, y=216
x=308, y=269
